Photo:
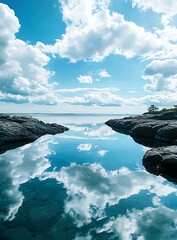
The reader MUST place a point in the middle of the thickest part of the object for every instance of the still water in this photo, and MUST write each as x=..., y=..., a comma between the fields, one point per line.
x=87, y=183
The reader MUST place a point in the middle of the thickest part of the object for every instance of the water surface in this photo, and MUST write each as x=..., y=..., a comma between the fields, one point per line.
x=88, y=183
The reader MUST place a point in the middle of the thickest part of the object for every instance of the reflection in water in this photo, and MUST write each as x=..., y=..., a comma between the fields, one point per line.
x=91, y=189
x=17, y=167
x=85, y=184
x=150, y=223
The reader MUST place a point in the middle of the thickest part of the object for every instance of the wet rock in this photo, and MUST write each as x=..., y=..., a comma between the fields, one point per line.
x=16, y=131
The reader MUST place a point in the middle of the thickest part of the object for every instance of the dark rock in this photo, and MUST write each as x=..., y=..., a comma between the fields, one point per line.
x=16, y=131
x=162, y=161
x=156, y=131
x=147, y=126
x=167, y=133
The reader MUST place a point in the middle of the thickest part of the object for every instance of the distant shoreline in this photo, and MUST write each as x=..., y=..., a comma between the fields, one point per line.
x=73, y=114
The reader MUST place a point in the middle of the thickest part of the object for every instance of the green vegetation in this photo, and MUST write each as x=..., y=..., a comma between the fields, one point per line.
x=154, y=109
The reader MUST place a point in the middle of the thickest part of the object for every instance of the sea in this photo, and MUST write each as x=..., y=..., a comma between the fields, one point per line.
x=85, y=184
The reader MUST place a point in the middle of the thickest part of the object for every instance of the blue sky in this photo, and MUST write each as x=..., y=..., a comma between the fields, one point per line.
x=96, y=56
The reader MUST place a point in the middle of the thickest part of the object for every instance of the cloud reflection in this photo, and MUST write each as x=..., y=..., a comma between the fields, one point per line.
x=90, y=131
x=91, y=189
x=151, y=223
x=84, y=147
x=17, y=167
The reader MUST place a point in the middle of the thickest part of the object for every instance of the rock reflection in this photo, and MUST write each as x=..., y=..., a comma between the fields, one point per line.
x=162, y=161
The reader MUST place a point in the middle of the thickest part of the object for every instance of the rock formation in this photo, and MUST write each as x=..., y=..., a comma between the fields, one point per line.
x=158, y=131
x=147, y=126
x=162, y=161
x=15, y=131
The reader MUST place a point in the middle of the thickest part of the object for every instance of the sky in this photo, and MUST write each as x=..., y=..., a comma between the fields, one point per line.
x=94, y=56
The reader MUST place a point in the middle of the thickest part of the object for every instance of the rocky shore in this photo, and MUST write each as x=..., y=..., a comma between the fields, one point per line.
x=15, y=131
x=158, y=131
x=156, y=127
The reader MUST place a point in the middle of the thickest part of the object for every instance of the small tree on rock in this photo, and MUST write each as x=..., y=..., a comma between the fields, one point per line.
x=152, y=108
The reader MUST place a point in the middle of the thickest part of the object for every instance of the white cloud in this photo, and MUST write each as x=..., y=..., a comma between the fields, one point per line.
x=96, y=96
x=168, y=34
x=102, y=152
x=23, y=76
x=75, y=90
x=158, y=6
x=85, y=79
x=162, y=98
x=95, y=32
x=168, y=9
x=104, y=74
x=109, y=96
x=162, y=74
x=84, y=147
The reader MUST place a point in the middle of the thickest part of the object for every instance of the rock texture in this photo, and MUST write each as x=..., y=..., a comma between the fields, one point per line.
x=153, y=130
x=155, y=127
x=162, y=161
x=17, y=130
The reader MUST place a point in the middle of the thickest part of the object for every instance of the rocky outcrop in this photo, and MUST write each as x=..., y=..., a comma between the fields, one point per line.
x=147, y=126
x=17, y=130
x=158, y=132
x=162, y=161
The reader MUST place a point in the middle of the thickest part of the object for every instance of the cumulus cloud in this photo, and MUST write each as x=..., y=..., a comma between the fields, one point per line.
x=85, y=79
x=96, y=96
x=168, y=34
x=23, y=76
x=162, y=74
x=104, y=74
x=93, y=32
x=165, y=8
x=158, y=6
x=110, y=97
